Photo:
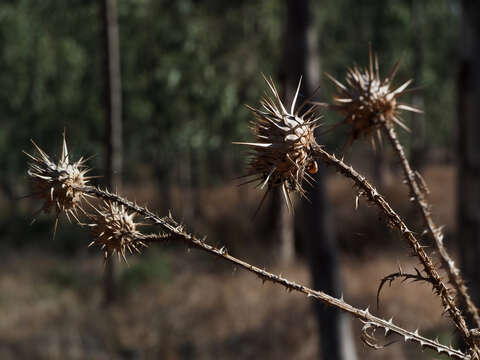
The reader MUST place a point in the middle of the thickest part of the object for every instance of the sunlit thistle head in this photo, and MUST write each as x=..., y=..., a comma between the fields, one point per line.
x=114, y=230
x=282, y=154
x=58, y=184
x=366, y=100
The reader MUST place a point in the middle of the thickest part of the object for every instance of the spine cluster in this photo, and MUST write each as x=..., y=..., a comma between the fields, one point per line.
x=282, y=154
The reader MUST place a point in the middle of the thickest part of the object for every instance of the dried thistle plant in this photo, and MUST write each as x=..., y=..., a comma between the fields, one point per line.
x=416, y=185
x=285, y=152
x=114, y=230
x=370, y=322
x=282, y=154
x=366, y=100
x=56, y=183
x=370, y=106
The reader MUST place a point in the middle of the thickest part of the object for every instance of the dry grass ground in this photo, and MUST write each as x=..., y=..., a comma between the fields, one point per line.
x=55, y=311
x=180, y=304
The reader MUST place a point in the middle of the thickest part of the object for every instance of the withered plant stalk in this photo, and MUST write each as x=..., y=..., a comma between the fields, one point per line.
x=178, y=233
x=284, y=155
x=372, y=104
x=435, y=232
x=115, y=231
x=394, y=220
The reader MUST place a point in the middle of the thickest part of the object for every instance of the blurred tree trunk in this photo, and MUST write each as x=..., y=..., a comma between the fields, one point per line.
x=196, y=179
x=289, y=74
x=381, y=164
x=381, y=169
x=468, y=187
x=418, y=147
x=113, y=119
x=301, y=57
x=283, y=227
x=185, y=167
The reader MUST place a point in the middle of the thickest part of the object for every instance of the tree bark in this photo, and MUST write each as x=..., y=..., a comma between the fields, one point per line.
x=468, y=186
x=301, y=57
x=113, y=119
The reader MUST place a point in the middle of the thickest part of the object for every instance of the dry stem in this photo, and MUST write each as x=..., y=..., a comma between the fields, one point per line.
x=371, y=322
x=435, y=232
x=178, y=233
x=395, y=221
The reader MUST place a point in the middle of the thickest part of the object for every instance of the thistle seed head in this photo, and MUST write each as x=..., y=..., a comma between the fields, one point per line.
x=57, y=184
x=367, y=100
x=115, y=230
x=282, y=153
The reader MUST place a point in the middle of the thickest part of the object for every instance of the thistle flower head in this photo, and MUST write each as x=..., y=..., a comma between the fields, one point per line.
x=115, y=230
x=281, y=155
x=57, y=184
x=366, y=100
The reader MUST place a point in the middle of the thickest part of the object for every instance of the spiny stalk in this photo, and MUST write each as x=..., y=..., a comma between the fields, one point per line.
x=368, y=191
x=433, y=230
x=370, y=105
x=178, y=233
x=372, y=195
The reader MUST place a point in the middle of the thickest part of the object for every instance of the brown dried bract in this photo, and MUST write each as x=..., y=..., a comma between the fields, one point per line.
x=281, y=155
x=115, y=230
x=366, y=100
x=57, y=183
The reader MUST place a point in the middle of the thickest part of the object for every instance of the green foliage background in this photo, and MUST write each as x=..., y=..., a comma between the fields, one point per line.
x=188, y=66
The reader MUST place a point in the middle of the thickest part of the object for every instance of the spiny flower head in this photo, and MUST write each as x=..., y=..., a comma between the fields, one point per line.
x=366, y=100
x=58, y=183
x=115, y=230
x=281, y=155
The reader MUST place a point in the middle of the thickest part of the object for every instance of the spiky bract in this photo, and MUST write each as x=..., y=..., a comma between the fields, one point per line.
x=57, y=184
x=366, y=100
x=114, y=230
x=281, y=155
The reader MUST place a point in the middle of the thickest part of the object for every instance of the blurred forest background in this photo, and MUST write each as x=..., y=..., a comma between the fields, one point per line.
x=187, y=67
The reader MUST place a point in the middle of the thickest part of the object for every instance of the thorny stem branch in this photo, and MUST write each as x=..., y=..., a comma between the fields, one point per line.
x=435, y=232
x=395, y=221
x=177, y=230
x=399, y=275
